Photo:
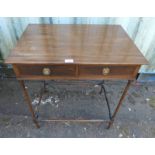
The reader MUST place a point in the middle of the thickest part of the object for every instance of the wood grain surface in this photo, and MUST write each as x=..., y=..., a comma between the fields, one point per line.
x=85, y=44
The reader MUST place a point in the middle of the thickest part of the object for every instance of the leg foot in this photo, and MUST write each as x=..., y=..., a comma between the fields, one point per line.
x=36, y=123
x=110, y=124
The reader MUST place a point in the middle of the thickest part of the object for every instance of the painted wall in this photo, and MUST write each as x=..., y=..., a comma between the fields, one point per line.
x=141, y=30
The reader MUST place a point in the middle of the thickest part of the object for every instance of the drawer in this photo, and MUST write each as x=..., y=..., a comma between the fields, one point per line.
x=106, y=71
x=46, y=70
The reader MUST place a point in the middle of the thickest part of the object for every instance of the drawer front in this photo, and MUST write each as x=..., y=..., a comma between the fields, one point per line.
x=106, y=71
x=71, y=71
x=46, y=70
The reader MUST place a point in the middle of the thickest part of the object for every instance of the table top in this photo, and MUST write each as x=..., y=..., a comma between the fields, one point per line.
x=78, y=44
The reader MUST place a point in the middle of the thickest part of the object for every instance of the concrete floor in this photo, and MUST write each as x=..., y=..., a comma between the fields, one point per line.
x=136, y=117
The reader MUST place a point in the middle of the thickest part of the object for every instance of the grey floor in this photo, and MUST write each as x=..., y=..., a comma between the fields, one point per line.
x=77, y=100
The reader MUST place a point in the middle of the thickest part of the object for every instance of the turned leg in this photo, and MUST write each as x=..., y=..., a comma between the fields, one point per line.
x=28, y=101
x=119, y=103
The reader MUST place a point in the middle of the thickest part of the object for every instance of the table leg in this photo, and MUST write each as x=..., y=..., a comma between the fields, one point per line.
x=119, y=103
x=42, y=91
x=27, y=98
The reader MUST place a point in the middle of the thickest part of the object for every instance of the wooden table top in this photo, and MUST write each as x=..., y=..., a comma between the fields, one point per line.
x=84, y=44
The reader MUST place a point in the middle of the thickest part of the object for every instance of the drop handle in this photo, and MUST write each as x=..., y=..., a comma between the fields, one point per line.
x=46, y=71
x=105, y=71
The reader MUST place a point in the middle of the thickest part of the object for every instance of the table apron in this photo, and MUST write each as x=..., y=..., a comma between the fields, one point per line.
x=75, y=72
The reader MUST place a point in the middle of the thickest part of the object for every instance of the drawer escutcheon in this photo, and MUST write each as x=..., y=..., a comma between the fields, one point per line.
x=105, y=71
x=46, y=71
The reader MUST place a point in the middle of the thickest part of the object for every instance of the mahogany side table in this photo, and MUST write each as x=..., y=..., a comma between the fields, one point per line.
x=75, y=52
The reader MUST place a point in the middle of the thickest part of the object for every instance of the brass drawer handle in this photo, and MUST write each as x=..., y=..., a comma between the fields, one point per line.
x=46, y=71
x=105, y=71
